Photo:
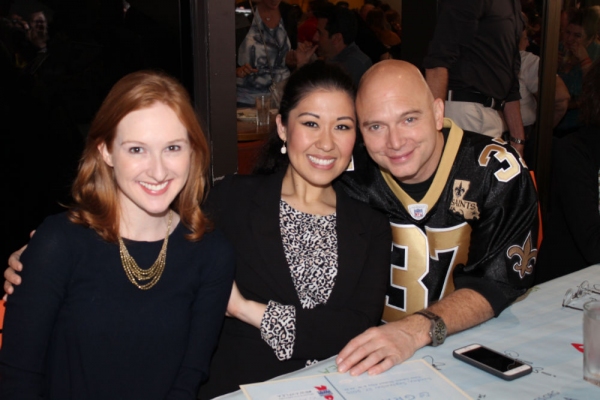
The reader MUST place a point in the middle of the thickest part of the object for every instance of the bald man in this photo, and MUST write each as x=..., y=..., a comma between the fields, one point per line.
x=463, y=213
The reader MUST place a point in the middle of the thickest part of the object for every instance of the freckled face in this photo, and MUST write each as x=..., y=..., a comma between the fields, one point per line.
x=151, y=157
x=320, y=135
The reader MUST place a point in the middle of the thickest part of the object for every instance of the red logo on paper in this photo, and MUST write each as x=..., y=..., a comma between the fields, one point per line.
x=578, y=346
x=324, y=392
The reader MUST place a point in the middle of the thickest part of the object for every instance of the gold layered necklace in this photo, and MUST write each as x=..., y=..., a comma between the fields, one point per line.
x=137, y=275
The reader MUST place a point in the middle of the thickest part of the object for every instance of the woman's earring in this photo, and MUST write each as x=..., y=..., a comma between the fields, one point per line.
x=283, y=148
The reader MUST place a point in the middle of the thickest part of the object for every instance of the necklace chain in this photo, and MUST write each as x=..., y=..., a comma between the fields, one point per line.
x=135, y=274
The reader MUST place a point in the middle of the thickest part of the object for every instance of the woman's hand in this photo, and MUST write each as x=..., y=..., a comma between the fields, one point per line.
x=245, y=70
x=245, y=310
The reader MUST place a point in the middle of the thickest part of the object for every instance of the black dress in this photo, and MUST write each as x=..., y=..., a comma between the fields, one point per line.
x=76, y=328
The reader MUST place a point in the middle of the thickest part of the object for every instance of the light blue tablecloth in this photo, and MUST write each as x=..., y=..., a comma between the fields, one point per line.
x=536, y=329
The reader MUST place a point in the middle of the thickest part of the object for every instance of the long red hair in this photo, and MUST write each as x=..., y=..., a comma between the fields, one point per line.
x=95, y=190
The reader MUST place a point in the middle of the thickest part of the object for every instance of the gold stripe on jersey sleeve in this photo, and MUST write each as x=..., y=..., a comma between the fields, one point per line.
x=441, y=175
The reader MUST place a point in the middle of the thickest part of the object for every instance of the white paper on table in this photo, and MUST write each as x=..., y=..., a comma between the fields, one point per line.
x=407, y=381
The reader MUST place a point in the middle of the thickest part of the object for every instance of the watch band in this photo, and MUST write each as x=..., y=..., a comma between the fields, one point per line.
x=437, y=331
x=515, y=140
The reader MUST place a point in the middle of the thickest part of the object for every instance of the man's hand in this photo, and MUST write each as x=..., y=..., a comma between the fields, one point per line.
x=304, y=53
x=580, y=52
x=514, y=122
x=379, y=349
x=245, y=70
x=14, y=266
x=11, y=275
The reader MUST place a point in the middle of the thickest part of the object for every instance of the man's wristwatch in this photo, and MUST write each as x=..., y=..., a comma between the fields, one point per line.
x=438, y=331
x=516, y=141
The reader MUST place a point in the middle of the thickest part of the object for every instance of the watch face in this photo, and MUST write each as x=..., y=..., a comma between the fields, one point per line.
x=439, y=332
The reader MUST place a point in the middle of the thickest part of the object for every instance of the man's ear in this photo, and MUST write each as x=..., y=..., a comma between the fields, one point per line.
x=337, y=38
x=106, y=156
x=281, y=131
x=438, y=113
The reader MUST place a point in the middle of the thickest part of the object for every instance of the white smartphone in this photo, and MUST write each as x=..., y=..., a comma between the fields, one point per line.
x=492, y=361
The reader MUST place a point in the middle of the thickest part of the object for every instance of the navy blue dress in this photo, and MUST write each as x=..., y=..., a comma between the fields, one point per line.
x=76, y=328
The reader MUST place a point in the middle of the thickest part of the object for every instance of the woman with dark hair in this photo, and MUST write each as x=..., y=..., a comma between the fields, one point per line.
x=572, y=235
x=124, y=294
x=312, y=264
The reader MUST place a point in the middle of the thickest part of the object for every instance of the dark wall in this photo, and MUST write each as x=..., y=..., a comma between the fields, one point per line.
x=419, y=18
x=47, y=100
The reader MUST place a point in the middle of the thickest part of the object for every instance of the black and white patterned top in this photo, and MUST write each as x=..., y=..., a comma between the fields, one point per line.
x=311, y=249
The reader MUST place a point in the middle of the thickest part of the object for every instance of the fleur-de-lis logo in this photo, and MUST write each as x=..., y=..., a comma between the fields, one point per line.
x=527, y=256
x=459, y=190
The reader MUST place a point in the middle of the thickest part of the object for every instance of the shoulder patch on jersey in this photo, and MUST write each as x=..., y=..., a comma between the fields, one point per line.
x=468, y=209
x=527, y=256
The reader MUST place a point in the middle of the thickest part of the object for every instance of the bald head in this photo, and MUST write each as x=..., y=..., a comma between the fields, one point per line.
x=393, y=77
x=400, y=120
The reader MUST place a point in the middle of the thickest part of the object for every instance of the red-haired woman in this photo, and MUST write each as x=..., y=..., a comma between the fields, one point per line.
x=124, y=294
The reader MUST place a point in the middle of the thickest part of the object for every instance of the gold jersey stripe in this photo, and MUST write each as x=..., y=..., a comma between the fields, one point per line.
x=441, y=175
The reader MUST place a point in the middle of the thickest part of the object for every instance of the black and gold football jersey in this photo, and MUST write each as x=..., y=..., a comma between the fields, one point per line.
x=476, y=226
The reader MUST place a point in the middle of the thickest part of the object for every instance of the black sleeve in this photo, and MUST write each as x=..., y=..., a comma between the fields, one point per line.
x=457, y=24
x=32, y=311
x=210, y=305
x=503, y=247
x=514, y=92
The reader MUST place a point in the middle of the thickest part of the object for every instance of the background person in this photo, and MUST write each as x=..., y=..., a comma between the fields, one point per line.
x=336, y=32
x=262, y=54
x=572, y=235
x=366, y=40
x=124, y=294
x=377, y=21
x=473, y=64
x=577, y=51
x=528, y=89
x=38, y=34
